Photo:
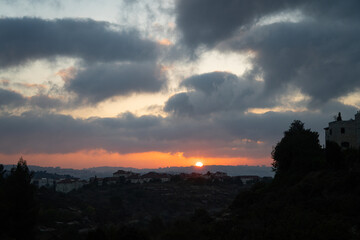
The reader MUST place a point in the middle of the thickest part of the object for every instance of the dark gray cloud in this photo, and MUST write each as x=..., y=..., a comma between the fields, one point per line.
x=25, y=39
x=210, y=21
x=98, y=82
x=34, y=132
x=92, y=84
x=228, y=134
x=10, y=98
x=179, y=104
x=320, y=54
x=46, y=102
x=322, y=60
x=215, y=92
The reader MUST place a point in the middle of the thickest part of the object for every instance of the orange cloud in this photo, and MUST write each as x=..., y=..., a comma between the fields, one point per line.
x=100, y=157
x=165, y=42
x=66, y=73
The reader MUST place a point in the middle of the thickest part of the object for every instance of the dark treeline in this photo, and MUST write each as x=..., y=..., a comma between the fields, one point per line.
x=315, y=195
x=18, y=207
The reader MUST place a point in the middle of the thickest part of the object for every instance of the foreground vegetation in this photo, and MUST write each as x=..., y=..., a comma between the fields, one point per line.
x=315, y=195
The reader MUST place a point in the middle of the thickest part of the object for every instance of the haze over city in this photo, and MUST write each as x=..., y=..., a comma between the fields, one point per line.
x=151, y=84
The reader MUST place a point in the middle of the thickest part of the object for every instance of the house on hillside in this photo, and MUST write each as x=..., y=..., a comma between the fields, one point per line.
x=122, y=173
x=136, y=178
x=345, y=133
x=249, y=179
x=110, y=180
x=43, y=182
x=218, y=176
x=67, y=185
x=154, y=176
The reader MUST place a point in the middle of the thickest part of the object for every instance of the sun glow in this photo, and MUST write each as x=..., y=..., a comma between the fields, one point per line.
x=199, y=164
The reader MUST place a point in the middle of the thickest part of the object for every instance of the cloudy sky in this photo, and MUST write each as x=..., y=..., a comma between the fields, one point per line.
x=167, y=83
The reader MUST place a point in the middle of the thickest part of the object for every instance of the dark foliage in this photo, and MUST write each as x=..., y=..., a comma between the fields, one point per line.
x=298, y=151
x=310, y=198
x=18, y=204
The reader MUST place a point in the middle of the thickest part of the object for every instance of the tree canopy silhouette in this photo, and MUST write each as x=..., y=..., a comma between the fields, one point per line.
x=299, y=150
x=20, y=209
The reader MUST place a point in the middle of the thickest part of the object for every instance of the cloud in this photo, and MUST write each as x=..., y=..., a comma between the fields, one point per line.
x=317, y=54
x=10, y=98
x=322, y=60
x=216, y=92
x=179, y=104
x=90, y=84
x=95, y=83
x=25, y=39
x=222, y=134
x=46, y=102
x=208, y=22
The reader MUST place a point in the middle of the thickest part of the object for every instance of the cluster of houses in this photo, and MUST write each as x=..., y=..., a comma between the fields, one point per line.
x=61, y=185
x=121, y=176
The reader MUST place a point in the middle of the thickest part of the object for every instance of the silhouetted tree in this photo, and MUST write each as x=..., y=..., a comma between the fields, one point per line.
x=334, y=155
x=98, y=234
x=2, y=173
x=21, y=210
x=2, y=202
x=299, y=150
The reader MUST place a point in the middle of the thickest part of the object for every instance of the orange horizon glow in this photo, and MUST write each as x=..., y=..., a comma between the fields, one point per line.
x=101, y=158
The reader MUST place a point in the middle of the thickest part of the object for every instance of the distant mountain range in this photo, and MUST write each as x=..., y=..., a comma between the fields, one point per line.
x=86, y=173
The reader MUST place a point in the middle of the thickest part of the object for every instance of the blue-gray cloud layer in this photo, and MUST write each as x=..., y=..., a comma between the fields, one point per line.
x=210, y=21
x=10, y=98
x=319, y=54
x=322, y=60
x=98, y=82
x=25, y=39
x=228, y=134
x=215, y=92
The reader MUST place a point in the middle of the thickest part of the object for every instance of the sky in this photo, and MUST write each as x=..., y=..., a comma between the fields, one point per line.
x=146, y=84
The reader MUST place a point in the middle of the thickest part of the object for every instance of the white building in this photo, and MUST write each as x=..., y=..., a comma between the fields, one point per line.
x=67, y=185
x=43, y=182
x=345, y=133
x=249, y=179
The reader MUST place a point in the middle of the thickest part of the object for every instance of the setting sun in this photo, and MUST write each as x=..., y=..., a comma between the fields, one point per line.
x=199, y=164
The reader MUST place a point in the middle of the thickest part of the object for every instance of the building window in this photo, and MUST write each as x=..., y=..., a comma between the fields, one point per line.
x=330, y=131
x=342, y=130
x=345, y=144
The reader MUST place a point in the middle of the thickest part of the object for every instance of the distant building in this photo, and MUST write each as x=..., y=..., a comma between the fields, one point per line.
x=154, y=176
x=67, y=185
x=249, y=179
x=220, y=176
x=345, y=133
x=136, y=178
x=43, y=182
x=111, y=180
x=122, y=173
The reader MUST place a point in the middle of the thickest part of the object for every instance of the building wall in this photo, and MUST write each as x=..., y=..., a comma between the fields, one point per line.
x=357, y=126
x=68, y=186
x=343, y=132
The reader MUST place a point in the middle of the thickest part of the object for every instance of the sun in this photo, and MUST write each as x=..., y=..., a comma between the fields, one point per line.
x=199, y=164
